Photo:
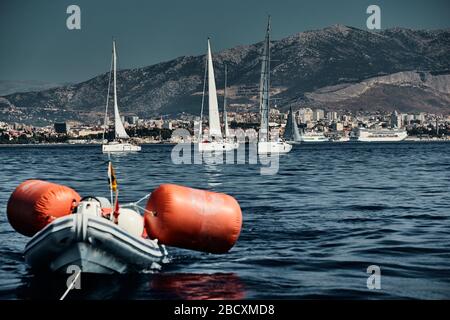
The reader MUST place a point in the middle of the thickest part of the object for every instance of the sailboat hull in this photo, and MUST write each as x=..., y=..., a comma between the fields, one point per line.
x=314, y=139
x=273, y=147
x=120, y=147
x=217, y=146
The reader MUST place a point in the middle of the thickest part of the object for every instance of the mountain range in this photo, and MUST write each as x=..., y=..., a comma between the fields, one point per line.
x=9, y=87
x=335, y=68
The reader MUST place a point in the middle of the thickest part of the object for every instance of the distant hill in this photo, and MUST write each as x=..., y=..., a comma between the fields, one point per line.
x=10, y=86
x=338, y=67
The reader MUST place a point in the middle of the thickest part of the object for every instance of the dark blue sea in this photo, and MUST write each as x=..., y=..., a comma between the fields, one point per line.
x=310, y=231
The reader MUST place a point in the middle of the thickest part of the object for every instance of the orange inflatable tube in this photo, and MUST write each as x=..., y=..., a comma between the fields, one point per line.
x=193, y=219
x=36, y=203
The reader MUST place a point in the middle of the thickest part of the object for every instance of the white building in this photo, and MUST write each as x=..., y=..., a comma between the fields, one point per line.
x=407, y=118
x=318, y=114
x=132, y=119
x=346, y=118
x=337, y=126
x=332, y=115
x=420, y=117
x=305, y=115
x=396, y=120
x=167, y=125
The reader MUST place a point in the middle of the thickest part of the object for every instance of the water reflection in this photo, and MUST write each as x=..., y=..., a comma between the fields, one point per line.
x=213, y=174
x=51, y=286
x=187, y=286
x=191, y=286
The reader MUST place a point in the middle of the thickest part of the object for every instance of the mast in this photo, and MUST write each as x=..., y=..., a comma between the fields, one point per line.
x=296, y=132
x=120, y=132
x=264, y=86
x=214, y=120
x=225, y=117
x=105, y=122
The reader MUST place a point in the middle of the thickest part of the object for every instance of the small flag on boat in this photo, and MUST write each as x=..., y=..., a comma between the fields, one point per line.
x=113, y=185
x=116, y=209
x=112, y=177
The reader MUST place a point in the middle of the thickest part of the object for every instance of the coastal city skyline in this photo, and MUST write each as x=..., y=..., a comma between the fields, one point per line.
x=334, y=125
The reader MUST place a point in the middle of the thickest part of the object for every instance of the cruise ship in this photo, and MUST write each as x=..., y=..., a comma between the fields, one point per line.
x=313, y=136
x=378, y=135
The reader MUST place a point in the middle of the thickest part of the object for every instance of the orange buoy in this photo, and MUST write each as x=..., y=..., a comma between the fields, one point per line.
x=36, y=203
x=193, y=219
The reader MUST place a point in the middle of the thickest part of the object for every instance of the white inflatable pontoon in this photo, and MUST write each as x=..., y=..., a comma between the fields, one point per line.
x=95, y=244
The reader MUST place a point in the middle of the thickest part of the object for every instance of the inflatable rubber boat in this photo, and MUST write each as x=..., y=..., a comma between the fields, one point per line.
x=95, y=244
x=99, y=237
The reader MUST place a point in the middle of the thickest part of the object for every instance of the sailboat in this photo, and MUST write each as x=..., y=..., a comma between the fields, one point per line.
x=291, y=132
x=265, y=145
x=121, y=138
x=215, y=140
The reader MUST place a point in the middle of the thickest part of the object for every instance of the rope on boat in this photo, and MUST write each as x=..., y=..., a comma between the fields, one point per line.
x=137, y=206
x=143, y=198
x=71, y=285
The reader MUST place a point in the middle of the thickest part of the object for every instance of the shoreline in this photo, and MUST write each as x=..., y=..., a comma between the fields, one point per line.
x=66, y=144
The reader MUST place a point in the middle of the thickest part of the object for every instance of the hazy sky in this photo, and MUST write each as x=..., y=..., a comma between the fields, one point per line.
x=36, y=44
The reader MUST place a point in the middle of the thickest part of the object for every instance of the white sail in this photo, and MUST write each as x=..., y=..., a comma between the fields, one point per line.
x=118, y=125
x=200, y=129
x=214, y=120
